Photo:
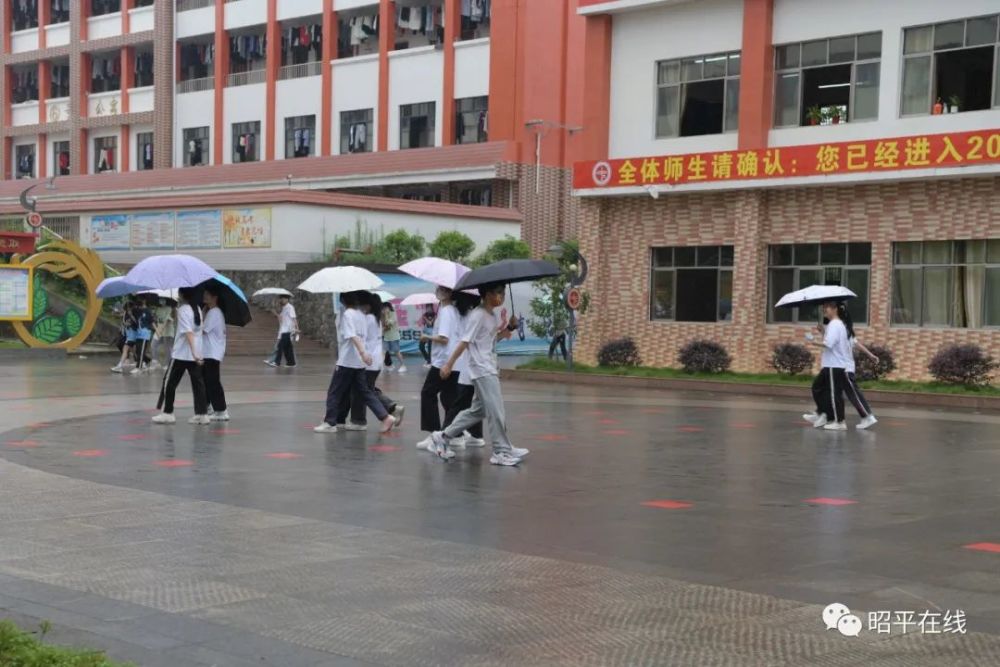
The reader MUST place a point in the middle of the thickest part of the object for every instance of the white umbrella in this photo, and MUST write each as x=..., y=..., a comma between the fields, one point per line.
x=443, y=272
x=419, y=299
x=385, y=296
x=271, y=291
x=341, y=279
x=815, y=294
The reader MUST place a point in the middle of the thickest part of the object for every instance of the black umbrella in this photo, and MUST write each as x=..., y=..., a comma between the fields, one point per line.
x=232, y=302
x=508, y=271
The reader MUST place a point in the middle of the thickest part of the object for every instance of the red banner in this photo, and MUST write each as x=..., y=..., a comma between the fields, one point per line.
x=17, y=242
x=848, y=157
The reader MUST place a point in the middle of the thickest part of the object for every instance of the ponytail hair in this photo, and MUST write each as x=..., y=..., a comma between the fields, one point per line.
x=845, y=317
x=191, y=296
x=465, y=302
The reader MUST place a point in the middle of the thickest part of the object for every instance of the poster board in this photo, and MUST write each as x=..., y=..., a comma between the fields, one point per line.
x=246, y=227
x=16, y=293
x=110, y=232
x=199, y=229
x=152, y=231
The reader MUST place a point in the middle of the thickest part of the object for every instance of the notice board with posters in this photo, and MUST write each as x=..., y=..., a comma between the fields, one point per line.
x=110, y=232
x=246, y=228
x=152, y=231
x=199, y=229
x=15, y=293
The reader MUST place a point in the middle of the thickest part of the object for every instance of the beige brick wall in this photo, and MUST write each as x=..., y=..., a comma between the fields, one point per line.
x=617, y=233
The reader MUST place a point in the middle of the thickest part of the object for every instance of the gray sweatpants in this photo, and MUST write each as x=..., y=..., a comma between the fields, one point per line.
x=487, y=405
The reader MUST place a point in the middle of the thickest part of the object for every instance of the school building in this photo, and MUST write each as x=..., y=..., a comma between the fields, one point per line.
x=754, y=147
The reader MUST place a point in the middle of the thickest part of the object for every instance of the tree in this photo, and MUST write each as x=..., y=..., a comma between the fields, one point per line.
x=400, y=247
x=548, y=308
x=455, y=246
x=506, y=248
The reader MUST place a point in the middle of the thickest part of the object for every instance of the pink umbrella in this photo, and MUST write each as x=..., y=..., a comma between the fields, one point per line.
x=443, y=272
x=419, y=299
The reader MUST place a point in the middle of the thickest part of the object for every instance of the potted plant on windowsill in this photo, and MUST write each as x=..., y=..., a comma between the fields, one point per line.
x=954, y=104
x=815, y=115
x=834, y=115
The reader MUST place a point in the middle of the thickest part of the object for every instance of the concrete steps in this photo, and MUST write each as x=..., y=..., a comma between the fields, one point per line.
x=257, y=338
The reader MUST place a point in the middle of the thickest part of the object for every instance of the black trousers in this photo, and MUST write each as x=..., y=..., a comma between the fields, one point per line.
x=560, y=341
x=354, y=403
x=344, y=381
x=425, y=350
x=462, y=402
x=828, y=392
x=856, y=397
x=285, y=348
x=434, y=387
x=213, y=384
x=172, y=378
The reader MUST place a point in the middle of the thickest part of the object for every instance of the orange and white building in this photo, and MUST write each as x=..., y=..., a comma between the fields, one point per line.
x=754, y=147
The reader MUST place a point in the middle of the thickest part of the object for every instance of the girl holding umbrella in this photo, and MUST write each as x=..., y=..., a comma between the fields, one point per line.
x=214, y=344
x=837, y=357
x=186, y=357
x=442, y=341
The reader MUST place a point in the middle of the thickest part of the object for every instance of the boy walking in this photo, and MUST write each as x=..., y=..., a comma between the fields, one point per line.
x=288, y=326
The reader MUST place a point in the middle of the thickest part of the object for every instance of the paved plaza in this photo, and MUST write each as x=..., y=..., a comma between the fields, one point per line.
x=645, y=528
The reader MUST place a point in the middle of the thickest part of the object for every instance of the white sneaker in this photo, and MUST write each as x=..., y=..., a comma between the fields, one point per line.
x=325, y=428
x=199, y=420
x=504, y=459
x=164, y=418
x=427, y=367
x=118, y=369
x=354, y=427
x=136, y=370
x=458, y=441
x=820, y=421
x=810, y=417
x=270, y=363
x=519, y=452
x=440, y=446
x=155, y=365
x=387, y=425
x=835, y=426
x=398, y=413
x=471, y=441
x=867, y=422
x=402, y=369
x=427, y=443
x=220, y=416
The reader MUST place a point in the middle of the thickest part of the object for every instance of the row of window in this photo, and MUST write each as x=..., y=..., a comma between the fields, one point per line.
x=947, y=67
x=24, y=13
x=934, y=283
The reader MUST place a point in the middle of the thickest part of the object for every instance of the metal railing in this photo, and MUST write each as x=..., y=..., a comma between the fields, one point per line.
x=246, y=78
x=300, y=71
x=185, y=5
x=196, y=85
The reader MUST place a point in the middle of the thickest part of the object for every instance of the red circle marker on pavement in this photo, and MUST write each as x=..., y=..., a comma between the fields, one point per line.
x=690, y=429
x=668, y=504
x=836, y=502
x=174, y=463
x=991, y=547
x=383, y=448
x=91, y=453
x=23, y=443
x=132, y=436
x=283, y=455
x=553, y=437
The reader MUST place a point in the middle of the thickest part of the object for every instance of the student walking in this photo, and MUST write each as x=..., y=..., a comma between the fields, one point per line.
x=480, y=339
x=473, y=437
x=129, y=331
x=186, y=357
x=145, y=323
x=390, y=335
x=214, y=344
x=853, y=391
x=427, y=324
x=352, y=359
x=441, y=341
x=288, y=327
x=163, y=336
x=829, y=386
x=558, y=340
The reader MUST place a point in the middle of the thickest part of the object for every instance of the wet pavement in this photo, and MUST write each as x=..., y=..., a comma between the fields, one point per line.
x=645, y=528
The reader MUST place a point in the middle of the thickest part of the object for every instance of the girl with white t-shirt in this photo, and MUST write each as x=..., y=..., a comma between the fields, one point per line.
x=214, y=349
x=186, y=357
x=465, y=303
x=443, y=339
x=830, y=384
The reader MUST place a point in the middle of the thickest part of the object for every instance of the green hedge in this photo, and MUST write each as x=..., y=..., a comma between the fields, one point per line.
x=23, y=649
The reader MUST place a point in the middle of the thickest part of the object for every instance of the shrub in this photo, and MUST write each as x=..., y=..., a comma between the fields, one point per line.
x=400, y=247
x=963, y=364
x=704, y=356
x=21, y=648
x=506, y=248
x=621, y=352
x=452, y=245
x=791, y=358
x=868, y=370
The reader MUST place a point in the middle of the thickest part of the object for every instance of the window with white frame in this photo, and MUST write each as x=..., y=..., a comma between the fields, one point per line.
x=946, y=283
x=195, y=146
x=696, y=96
x=793, y=267
x=471, y=120
x=416, y=125
x=356, y=131
x=300, y=136
x=105, y=154
x=951, y=67
x=24, y=156
x=691, y=284
x=246, y=142
x=60, y=156
x=144, y=151
x=827, y=81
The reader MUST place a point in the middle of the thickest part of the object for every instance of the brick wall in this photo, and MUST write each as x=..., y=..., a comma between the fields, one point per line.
x=544, y=200
x=616, y=234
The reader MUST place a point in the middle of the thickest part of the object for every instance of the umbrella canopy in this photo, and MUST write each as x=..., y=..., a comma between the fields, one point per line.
x=443, y=272
x=232, y=300
x=271, y=291
x=385, y=296
x=419, y=299
x=813, y=295
x=341, y=279
x=117, y=286
x=170, y=271
x=508, y=271
x=162, y=293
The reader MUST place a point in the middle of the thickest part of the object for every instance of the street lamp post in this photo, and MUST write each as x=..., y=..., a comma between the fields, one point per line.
x=580, y=270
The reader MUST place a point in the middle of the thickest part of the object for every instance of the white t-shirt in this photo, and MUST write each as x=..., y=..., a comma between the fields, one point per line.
x=350, y=324
x=373, y=342
x=214, y=335
x=462, y=363
x=481, y=335
x=445, y=325
x=185, y=324
x=286, y=319
x=850, y=367
x=836, y=346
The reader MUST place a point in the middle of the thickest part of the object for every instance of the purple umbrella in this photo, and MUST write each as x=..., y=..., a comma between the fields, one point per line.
x=443, y=272
x=170, y=271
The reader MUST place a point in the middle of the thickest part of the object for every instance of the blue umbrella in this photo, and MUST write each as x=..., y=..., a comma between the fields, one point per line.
x=117, y=286
x=232, y=300
x=170, y=271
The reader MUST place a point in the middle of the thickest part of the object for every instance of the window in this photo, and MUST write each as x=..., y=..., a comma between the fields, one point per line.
x=59, y=84
x=24, y=157
x=101, y=7
x=195, y=146
x=795, y=267
x=954, y=63
x=419, y=25
x=24, y=15
x=470, y=120
x=143, y=69
x=946, y=283
x=60, y=157
x=246, y=142
x=197, y=61
x=300, y=136
x=58, y=11
x=416, y=125
x=697, y=96
x=475, y=19
x=105, y=154
x=827, y=80
x=357, y=35
x=144, y=151
x=692, y=284
x=24, y=84
x=105, y=73
x=356, y=131
x=479, y=195
x=301, y=44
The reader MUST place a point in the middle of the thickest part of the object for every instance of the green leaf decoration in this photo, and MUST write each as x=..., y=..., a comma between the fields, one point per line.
x=40, y=303
x=73, y=322
x=38, y=281
x=49, y=329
